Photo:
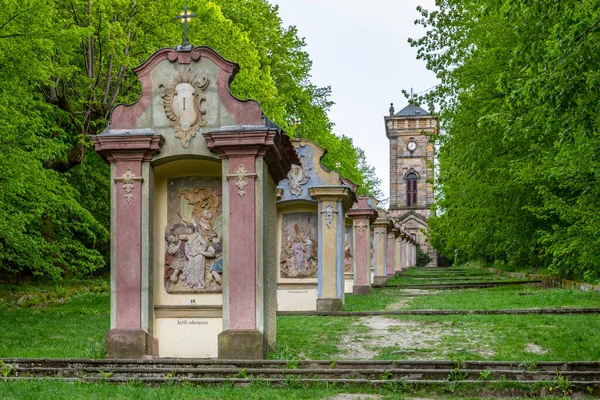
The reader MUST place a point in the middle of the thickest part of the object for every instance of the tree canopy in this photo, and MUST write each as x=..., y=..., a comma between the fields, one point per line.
x=518, y=160
x=65, y=64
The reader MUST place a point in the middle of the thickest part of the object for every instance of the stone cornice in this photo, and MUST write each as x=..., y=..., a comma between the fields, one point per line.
x=185, y=57
x=274, y=146
x=333, y=193
x=363, y=213
x=128, y=147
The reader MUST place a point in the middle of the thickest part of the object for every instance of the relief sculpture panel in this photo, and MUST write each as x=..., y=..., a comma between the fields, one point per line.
x=299, y=248
x=193, y=248
x=348, y=251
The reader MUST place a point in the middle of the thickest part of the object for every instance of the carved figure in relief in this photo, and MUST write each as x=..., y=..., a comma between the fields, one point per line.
x=175, y=258
x=299, y=176
x=299, y=250
x=182, y=101
x=214, y=276
x=193, y=259
x=196, y=250
x=348, y=257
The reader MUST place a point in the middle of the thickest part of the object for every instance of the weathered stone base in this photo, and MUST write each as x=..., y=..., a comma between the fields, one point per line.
x=129, y=344
x=398, y=273
x=390, y=276
x=379, y=281
x=242, y=345
x=361, y=290
x=334, y=304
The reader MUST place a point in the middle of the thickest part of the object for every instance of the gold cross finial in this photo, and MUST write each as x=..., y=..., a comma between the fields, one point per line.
x=185, y=18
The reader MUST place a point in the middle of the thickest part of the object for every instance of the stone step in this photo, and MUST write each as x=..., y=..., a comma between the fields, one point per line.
x=299, y=383
x=322, y=374
x=165, y=364
x=516, y=311
x=458, y=285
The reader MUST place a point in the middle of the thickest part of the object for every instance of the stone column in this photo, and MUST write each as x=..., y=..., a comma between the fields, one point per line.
x=391, y=254
x=253, y=161
x=130, y=334
x=414, y=262
x=333, y=204
x=411, y=249
x=362, y=217
x=380, y=251
x=399, y=255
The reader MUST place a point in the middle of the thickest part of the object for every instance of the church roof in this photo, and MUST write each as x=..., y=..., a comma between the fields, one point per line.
x=411, y=110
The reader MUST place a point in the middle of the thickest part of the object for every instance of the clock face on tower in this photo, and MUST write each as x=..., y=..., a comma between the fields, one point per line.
x=411, y=146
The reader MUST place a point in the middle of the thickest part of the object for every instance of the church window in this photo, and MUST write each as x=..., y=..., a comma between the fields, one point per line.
x=411, y=189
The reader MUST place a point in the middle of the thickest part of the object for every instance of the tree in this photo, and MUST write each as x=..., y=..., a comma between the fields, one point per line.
x=65, y=64
x=519, y=143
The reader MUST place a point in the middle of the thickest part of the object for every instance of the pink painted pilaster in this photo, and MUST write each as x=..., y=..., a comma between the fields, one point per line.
x=244, y=315
x=363, y=216
x=242, y=240
x=128, y=241
x=127, y=153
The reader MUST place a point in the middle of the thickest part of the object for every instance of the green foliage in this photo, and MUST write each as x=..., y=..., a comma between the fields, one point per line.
x=422, y=258
x=6, y=369
x=65, y=65
x=242, y=374
x=485, y=375
x=518, y=150
x=282, y=352
x=563, y=384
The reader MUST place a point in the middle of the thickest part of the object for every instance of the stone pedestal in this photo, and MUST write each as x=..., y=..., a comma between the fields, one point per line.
x=363, y=215
x=241, y=344
x=361, y=290
x=130, y=334
x=333, y=304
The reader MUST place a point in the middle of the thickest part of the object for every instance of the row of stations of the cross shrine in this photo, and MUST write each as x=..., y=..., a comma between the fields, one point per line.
x=218, y=219
x=331, y=242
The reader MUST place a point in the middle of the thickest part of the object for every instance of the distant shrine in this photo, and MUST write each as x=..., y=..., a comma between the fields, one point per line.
x=411, y=171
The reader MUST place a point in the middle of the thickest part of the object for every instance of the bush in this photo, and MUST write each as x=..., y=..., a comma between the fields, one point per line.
x=422, y=258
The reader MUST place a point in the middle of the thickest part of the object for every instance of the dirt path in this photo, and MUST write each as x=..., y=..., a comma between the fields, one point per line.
x=414, y=340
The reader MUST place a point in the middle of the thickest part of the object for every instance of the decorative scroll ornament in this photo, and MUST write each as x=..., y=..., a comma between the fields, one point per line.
x=183, y=100
x=128, y=180
x=361, y=228
x=299, y=176
x=241, y=180
x=328, y=215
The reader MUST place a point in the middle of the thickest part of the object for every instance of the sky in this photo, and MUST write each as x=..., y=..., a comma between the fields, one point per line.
x=361, y=50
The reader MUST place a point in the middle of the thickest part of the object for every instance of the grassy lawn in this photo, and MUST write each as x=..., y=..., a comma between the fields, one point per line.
x=71, y=323
x=379, y=299
x=47, y=389
x=70, y=330
x=310, y=337
x=42, y=389
x=498, y=298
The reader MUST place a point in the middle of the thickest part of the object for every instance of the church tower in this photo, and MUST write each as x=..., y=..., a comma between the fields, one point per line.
x=411, y=170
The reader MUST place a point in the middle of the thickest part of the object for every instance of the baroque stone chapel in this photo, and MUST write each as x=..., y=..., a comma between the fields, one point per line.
x=411, y=171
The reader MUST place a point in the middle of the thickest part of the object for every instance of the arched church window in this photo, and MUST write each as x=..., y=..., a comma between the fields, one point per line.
x=411, y=189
